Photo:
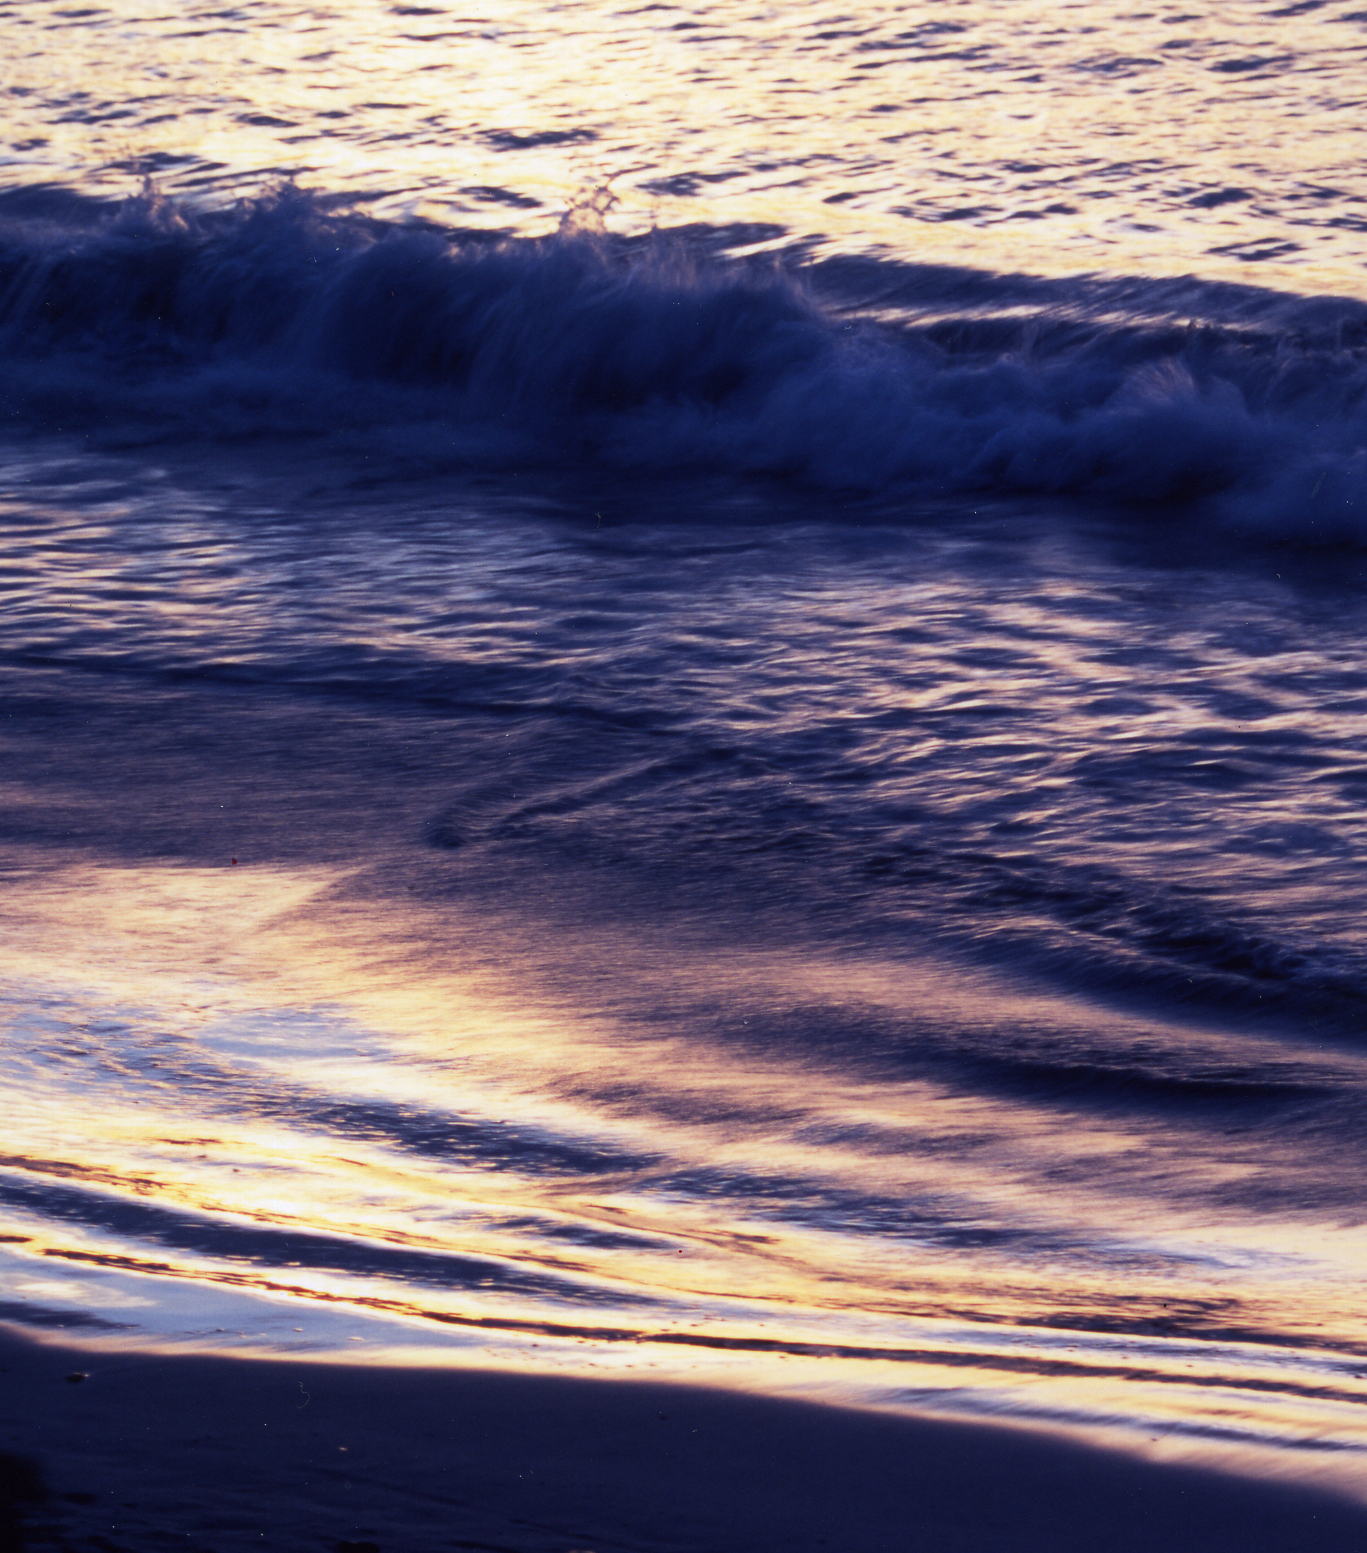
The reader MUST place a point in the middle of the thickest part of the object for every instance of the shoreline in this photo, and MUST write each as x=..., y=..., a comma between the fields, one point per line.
x=150, y=1451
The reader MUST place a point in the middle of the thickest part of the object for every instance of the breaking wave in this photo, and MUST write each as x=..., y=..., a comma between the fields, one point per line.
x=284, y=316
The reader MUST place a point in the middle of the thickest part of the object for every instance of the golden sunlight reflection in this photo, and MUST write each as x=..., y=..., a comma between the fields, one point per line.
x=1001, y=137
x=327, y=1103
x=598, y=807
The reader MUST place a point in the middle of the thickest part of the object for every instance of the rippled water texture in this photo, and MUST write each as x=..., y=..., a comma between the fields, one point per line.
x=1054, y=137
x=862, y=962
x=594, y=801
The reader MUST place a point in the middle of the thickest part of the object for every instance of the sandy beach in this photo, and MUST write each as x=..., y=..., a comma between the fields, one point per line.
x=139, y=1452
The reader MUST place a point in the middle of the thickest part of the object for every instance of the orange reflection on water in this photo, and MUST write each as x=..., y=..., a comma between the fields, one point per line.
x=281, y=1085
x=1051, y=137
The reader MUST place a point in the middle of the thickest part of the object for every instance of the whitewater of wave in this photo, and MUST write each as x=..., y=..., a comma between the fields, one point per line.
x=283, y=315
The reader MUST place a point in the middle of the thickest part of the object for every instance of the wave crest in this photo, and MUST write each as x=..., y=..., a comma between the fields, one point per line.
x=284, y=315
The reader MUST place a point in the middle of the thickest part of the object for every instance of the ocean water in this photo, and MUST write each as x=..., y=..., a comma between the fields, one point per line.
x=683, y=695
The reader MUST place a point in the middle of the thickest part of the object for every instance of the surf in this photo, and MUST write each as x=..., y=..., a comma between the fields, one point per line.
x=664, y=355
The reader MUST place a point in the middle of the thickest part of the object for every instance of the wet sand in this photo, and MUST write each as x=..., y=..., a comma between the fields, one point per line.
x=140, y=1452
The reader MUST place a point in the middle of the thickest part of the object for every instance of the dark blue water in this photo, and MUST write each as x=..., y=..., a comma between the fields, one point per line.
x=715, y=802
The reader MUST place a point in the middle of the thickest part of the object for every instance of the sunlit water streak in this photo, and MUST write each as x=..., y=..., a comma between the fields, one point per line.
x=592, y=805
x=1046, y=136
x=683, y=950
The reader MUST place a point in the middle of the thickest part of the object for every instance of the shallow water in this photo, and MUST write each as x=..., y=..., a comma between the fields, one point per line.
x=850, y=959
x=588, y=801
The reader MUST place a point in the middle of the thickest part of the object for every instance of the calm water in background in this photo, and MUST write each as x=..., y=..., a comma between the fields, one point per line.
x=781, y=805
x=1221, y=139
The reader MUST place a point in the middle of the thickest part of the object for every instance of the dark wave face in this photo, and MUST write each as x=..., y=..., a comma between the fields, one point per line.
x=662, y=355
